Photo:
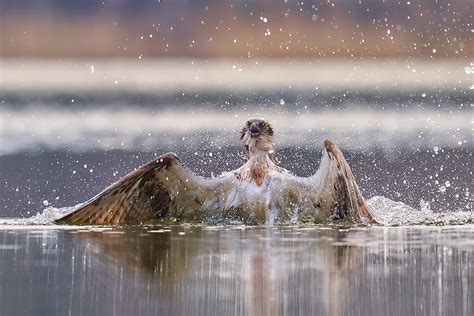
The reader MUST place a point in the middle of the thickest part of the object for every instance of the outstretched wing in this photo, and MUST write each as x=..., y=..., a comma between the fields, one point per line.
x=333, y=189
x=161, y=188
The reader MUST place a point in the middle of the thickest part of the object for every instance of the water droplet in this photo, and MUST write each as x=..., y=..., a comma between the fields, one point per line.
x=45, y=202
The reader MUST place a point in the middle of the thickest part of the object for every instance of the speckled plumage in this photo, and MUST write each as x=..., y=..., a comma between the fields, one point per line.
x=258, y=192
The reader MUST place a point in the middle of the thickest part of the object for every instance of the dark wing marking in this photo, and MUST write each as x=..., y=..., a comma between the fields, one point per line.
x=333, y=189
x=162, y=187
x=349, y=201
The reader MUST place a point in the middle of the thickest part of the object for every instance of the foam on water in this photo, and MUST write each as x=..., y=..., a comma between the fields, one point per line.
x=391, y=213
x=46, y=217
x=385, y=211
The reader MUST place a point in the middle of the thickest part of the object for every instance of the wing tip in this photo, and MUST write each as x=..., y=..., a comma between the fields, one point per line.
x=167, y=158
x=358, y=206
x=329, y=145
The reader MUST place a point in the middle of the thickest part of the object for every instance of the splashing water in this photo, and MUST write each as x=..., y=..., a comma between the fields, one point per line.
x=391, y=213
x=385, y=211
x=46, y=217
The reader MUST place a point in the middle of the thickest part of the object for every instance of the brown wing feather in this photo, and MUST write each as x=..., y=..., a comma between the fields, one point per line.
x=349, y=202
x=153, y=191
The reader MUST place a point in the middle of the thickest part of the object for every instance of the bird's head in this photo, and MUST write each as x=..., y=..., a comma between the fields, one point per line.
x=257, y=134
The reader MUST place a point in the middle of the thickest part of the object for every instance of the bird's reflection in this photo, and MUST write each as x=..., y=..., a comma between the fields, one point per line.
x=238, y=270
x=273, y=270
x=261, y=271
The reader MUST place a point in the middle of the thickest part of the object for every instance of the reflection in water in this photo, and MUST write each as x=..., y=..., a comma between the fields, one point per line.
x=237, y=270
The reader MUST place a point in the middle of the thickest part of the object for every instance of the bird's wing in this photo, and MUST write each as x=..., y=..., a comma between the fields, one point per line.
x=162, y=188
x=333, y=189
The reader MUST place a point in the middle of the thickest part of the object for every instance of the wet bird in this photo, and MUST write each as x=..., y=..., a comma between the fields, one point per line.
x=259, y=192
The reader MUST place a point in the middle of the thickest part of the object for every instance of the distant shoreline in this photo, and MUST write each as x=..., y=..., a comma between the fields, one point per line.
x=166, y=76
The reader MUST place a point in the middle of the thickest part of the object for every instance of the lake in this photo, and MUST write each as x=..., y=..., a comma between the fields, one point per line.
x=409, y=144
x=54, y=270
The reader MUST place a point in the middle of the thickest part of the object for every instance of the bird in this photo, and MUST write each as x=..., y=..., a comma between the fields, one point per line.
x=260, y=192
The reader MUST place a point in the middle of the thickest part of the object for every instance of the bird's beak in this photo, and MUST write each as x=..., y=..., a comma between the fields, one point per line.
x=254, y=131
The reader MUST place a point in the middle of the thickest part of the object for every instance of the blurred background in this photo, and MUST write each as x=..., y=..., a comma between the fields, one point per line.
x=237, y=29
x=91, y=89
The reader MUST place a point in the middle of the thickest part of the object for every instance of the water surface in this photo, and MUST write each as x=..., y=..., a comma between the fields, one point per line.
x=407, y=137
x=187, y=270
